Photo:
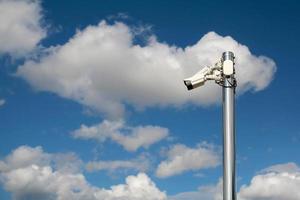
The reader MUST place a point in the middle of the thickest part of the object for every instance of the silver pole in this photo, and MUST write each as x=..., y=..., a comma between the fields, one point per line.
x=229, y=182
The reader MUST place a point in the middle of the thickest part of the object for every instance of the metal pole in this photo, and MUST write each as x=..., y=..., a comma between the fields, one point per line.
x=229, y=182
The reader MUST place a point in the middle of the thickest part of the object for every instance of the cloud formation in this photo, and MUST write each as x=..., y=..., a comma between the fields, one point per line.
x=31, y=173
x=20, y=26
x=130, y=138
x=285, y=167
x=181, y=158
x=206, y=192
x=140, y=164
x=275, y=183
x=101, y=67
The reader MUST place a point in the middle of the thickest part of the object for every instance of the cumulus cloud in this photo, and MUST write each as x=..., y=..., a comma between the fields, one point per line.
x=24, y=156
x=20, y=26
x=33, y=176
x=131, y=138
x=275, y=183
x=181, y=158
x=31, y=173
x=101, y=67
x=206, y=192
x=140, y=164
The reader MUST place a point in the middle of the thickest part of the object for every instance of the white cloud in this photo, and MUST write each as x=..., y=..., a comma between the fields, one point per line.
x=34, y=177
x=2, y=102
x=140, y=164
x=275, y=183
x=285, y=167
x=102, y=68
x=20, y=27
x=207, y=192
x=181, y=158
x=131, y=138
x=31, y=173
x=138, y=187
x=24, y=156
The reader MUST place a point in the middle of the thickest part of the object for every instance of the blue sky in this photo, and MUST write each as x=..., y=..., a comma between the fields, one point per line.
x=42, y=108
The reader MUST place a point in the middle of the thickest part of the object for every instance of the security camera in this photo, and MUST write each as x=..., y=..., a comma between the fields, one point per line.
x=198, y=79
x=224, y=68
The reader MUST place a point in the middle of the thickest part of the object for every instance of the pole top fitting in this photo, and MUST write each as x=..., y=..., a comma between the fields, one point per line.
x=228, y=55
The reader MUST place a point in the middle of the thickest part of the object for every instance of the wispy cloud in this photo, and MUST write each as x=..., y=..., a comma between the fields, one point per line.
x=140, y=164
x=2, y=102
x=181, y=158
x=131, y=138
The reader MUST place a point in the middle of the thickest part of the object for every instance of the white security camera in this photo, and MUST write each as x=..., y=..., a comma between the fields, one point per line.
x=220, y=70
x=198, y=79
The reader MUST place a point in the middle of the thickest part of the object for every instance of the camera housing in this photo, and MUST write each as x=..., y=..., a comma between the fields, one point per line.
x=198, y=79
